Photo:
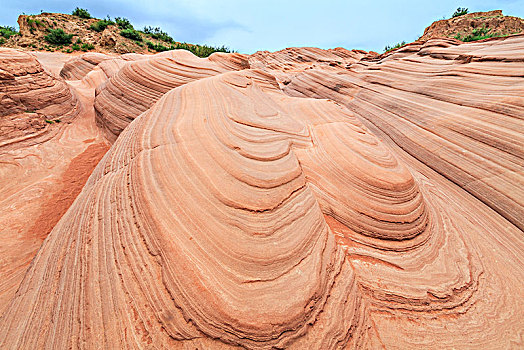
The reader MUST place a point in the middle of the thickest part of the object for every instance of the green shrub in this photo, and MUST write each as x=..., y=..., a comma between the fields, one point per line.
x=58, y=37
x=7, y=32
x=101, y=25
x=158, y=34
x=480, y=31
x=131, y=34
x=478, y=34
x=75, y=47
x=460, y=12
x=31, y=21
x=2, y=41
x=87, y=47
x=82, y=13
x=123, y=23
x=396, y=46
x=197, y=50
x=157, y=47
x=202, y=50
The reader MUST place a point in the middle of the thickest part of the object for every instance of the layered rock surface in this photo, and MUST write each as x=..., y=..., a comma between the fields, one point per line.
x=44, y=162
x=29, y=96
x=238, y=207
x=138, y=85
x=285, y=64
x=256, y=244
x=456, y=108
x=79, y=66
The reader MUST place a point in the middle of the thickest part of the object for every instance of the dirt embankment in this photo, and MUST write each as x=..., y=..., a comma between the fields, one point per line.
x=494, y=22
x=33, y=29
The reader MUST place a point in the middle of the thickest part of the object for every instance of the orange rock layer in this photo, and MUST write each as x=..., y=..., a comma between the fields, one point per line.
x=29, y=96
x=456, y=108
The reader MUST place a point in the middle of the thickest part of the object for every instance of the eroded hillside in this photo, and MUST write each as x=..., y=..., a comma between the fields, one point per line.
x=472, y=26
x=80, y=32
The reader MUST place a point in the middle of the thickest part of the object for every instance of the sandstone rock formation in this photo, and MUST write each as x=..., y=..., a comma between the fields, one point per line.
x=45, y=159
x=284, y=64
x=302, y=199
x=79, y=66
x=28, y=97
x=198, y=274
x=459, y=112
x=138, y=85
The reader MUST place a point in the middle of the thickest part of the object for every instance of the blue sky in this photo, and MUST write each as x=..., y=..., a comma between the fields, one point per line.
x=248, y=26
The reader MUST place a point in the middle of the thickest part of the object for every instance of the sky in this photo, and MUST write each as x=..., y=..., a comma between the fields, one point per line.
x=248, y=26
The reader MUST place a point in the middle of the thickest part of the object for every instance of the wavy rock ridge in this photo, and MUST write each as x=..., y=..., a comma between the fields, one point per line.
x=239, y=208
x=274, y=222
x=28, y=96
x=138, y=85
x=456, y=108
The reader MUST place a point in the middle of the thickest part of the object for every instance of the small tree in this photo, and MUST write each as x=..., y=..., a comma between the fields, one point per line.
x=123, y=23
x=7, y=31
x=460, y=12
x=82, y=13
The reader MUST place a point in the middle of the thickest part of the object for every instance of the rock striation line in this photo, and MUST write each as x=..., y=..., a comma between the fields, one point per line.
x=456, y=108
x=138, y=85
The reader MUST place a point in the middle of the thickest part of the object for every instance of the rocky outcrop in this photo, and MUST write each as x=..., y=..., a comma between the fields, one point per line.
x=78, y=67
x=493, y=21
x=456, y=108
x=303, y=199
x=28, y=97
x=152, y=262
x=34, y=28
x=138, y=85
